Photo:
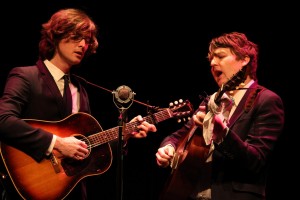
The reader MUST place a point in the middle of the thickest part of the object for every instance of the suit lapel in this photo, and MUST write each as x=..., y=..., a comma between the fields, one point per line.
x=240, y=108
x=49, y=81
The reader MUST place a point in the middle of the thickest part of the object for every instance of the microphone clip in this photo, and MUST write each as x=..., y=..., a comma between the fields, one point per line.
x=123, y=97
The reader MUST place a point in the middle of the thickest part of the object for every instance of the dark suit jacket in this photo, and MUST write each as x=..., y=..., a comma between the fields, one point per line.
x=31, y=93
x=240, y=162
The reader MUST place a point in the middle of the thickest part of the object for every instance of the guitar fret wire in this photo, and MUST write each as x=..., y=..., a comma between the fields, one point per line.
x=111, y=134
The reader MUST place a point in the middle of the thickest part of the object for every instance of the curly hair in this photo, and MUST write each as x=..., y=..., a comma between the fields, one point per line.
x=63, y=24
x=238, y=45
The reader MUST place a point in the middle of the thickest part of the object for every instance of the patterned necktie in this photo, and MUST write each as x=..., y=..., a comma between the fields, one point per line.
x=67, y=95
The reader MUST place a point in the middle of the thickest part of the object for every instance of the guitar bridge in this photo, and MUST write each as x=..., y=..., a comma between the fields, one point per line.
x=54, y=163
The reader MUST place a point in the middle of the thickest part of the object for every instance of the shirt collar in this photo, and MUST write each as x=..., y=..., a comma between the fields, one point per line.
x=240, y=93
x=54, y=71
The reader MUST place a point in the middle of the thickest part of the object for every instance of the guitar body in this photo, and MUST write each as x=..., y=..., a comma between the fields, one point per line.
x=189, y=167
x=54, y=178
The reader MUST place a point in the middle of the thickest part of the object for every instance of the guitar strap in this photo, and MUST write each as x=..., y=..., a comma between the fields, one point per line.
x=246, y=103
x=252, y=97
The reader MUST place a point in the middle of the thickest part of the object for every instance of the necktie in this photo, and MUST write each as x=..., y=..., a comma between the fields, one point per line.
x=67, y=95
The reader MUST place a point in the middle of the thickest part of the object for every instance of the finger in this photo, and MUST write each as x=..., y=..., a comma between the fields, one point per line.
x=142, y=134
x=139, y=118
x=77, y=157
x=196, y=120
x=162, y=163
x=83, y=144
x=152, y=128
x=162, y=157
x=202, y=108
x=170, y=153
x=83, y=151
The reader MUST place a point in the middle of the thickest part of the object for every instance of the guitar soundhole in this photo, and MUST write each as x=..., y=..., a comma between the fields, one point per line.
x=74, y=167
x=86, y=140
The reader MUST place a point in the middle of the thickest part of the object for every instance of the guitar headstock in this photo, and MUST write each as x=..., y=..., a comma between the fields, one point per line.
x=231, y=84
x=182, y=110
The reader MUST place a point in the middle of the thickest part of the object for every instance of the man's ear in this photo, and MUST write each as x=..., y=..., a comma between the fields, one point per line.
x=246, y=60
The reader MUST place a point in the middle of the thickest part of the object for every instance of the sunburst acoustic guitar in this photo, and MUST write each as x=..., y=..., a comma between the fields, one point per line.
x=55, y=177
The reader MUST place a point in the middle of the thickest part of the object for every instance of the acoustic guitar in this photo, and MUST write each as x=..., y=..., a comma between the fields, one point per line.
x=189, y=166
x=55, y=177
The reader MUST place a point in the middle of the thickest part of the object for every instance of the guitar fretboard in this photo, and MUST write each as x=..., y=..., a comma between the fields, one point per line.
x=113, y=133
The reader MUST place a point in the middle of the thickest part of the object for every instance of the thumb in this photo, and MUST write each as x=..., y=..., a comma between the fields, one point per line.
x=170, y=150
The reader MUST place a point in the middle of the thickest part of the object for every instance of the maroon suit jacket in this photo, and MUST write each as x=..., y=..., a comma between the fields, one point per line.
x=240, y=163
x=31, y=93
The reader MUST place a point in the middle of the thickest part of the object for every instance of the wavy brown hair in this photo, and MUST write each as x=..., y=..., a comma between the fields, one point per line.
x=63, y=24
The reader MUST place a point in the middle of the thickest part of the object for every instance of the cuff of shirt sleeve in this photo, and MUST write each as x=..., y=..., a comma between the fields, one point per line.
x=51, y=145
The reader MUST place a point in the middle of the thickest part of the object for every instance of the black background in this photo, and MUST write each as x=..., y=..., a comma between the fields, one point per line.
x=159, y=50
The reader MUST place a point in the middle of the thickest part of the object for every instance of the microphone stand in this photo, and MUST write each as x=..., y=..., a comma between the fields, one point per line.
x=122, y=127
x=124, y=97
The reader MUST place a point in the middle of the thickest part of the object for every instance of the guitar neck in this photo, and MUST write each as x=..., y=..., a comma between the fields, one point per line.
x=113, y=133
x=231, y=84
x=219, y=94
